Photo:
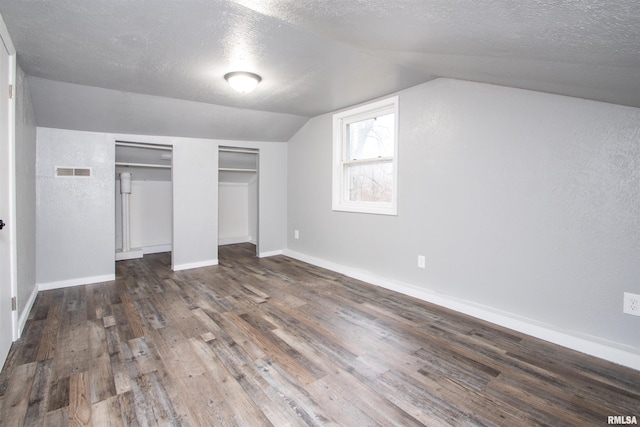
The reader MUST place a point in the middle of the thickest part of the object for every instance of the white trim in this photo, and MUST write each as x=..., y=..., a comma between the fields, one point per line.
x=133, y=253
x=24, y=315
x=157, y=249
x=75, y=282
x=271, y=253
x=606, y=350
x=12, y=213
x=191, y=265
x=233, y=240
x=340, y=122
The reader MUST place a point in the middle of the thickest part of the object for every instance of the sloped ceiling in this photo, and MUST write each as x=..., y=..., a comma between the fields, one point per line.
x=315, y=56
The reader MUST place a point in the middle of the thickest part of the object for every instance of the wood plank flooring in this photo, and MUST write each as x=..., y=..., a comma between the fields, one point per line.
x=274, y=341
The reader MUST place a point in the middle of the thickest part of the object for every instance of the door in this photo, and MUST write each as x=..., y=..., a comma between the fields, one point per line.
x=6, y=324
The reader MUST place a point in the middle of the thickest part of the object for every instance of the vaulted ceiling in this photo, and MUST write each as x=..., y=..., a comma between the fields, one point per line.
x=157, y=66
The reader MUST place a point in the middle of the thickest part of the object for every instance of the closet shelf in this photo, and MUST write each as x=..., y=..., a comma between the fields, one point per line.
x=144, y=145
x=143, y=165
x=237, y=150
x=236, y=170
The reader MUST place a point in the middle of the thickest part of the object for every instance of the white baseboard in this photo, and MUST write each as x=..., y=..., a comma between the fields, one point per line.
x=157, y=249
x=588, y=345
x=191, y=265
x=233, y=240
x=271, y=253
x=24, y=314
x=133, y=253
x=75, y=282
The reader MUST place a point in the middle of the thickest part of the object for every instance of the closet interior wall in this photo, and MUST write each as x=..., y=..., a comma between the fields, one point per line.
x=151, y=198
x=237, y=195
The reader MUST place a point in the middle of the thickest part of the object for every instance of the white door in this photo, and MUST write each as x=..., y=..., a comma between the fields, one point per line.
x=6, y=325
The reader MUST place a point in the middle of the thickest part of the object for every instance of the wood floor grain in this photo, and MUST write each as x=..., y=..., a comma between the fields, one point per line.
x=276, y=342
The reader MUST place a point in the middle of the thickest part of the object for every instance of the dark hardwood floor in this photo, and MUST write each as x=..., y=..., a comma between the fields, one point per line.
x=274, y=341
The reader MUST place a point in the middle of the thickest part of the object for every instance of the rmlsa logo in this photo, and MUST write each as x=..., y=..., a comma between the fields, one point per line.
x=620, y=419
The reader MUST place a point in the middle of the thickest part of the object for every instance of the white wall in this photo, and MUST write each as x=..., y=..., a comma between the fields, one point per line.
x=25, y=195
x=524, y=204
x=74, y=216
x=233, y=211
x=151, y=221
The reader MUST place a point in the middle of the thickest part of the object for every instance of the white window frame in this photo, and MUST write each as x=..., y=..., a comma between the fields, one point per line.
x=340, y=185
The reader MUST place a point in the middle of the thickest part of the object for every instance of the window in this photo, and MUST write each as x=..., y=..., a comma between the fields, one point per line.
x=365, y=153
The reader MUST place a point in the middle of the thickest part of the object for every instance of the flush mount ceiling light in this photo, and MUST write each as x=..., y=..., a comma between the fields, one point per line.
x=243, y=81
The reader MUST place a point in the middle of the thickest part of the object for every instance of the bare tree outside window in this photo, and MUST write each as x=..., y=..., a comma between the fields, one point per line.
x=370, y=141
x=370, y=183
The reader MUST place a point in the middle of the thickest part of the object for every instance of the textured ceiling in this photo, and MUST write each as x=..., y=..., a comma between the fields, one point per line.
x=317, y=56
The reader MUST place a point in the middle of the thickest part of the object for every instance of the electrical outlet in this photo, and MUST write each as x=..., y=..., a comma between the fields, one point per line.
x=631, y=304
x=296, y=234
x=421, y=261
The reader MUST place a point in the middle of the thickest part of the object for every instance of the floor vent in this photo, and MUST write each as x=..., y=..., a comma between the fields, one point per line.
x=73, y=172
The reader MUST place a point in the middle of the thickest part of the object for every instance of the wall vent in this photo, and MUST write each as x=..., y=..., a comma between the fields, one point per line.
x=67, y=172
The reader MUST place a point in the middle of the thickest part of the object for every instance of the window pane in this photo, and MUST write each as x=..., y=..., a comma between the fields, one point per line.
x=371, y=138
x=371, y=182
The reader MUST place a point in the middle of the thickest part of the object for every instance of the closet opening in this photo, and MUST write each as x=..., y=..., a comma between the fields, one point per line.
x=238, y=189
x=143, y=199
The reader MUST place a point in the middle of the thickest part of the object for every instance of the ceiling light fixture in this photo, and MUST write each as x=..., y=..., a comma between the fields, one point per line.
x=243, y=81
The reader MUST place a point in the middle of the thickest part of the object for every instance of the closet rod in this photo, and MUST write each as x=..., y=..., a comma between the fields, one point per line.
x=143, y=165
x=142, y=145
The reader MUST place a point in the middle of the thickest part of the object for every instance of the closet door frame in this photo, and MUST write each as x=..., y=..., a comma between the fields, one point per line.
x=150, y=165
x=256, y=153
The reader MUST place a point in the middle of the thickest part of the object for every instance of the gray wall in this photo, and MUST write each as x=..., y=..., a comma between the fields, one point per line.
x=75, y=216
x=522, y=202
x=77, y=107
x=272, y=199
x=25, y=192
x=195, y=203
